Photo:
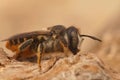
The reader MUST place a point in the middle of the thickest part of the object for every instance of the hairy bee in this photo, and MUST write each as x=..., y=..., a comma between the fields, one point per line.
x=57, y=39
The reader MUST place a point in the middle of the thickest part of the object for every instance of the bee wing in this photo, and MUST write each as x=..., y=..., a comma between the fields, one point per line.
x=28, y=35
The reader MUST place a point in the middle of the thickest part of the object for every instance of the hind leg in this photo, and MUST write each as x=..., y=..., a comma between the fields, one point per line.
x=39, y=54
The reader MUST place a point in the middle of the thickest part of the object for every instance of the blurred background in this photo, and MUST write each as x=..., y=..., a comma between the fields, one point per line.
x=100, y=18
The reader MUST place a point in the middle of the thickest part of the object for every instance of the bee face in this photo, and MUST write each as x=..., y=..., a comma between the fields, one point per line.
x=73, y=39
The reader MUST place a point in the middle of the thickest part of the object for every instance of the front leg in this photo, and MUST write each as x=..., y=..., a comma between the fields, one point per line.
x=66, y=50
x=39, y=54
x=80, y=42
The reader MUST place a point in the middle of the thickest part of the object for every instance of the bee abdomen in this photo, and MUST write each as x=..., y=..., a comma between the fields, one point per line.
x=17, y=41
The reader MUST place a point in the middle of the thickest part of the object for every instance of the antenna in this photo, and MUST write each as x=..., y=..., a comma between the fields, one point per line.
x=92, y=37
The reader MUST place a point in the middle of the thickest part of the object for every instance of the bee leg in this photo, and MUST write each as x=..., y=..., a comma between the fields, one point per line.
x=39, y=54
x=25, y=45
x=66, y=49
x=22, y=47
x=80, y=43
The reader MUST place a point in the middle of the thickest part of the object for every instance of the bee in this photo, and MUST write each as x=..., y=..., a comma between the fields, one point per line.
x=56, y=39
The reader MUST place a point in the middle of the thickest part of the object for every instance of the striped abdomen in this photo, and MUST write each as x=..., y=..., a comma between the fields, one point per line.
x=13, y=44
x=18, y=41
